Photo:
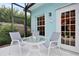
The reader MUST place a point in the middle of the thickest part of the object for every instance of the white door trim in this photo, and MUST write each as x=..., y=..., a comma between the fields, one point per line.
x=58, y=26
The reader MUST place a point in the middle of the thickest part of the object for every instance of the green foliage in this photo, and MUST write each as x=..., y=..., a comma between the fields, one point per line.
x=18, y=16
x=29, y=33
x=4, y=34
x=5, y=16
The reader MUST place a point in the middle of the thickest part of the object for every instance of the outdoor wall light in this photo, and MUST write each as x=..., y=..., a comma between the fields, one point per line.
x=50, y=17
x=50, y=14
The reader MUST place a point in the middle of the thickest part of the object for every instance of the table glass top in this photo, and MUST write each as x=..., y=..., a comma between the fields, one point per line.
x=34, y=39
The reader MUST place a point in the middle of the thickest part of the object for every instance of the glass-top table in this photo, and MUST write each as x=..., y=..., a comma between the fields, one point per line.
x=35, y=40
x=34, y=43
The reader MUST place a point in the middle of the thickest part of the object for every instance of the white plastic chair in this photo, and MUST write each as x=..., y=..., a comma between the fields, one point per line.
x=17, y=40
x=52, y=43
x=54, y=39
x=34, y=47
x=35, y=34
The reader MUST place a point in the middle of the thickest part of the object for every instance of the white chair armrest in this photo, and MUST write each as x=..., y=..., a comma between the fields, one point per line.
x=25, y=38
x=53, y=41
x=14, y=41
x=54, y=44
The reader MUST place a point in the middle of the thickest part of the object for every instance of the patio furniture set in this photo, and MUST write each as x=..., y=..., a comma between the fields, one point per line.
x=33, y=43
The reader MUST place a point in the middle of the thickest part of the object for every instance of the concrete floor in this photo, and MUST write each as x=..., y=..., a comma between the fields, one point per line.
x=15, y=51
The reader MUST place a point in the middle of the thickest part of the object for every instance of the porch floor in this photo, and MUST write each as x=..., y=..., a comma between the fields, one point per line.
x=13, y=51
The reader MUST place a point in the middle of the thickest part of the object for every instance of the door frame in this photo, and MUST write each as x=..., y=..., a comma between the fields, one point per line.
x=58, y=26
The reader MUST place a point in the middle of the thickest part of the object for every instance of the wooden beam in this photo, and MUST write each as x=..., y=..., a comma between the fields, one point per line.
x=25, y=22
x=28, y=6
x=18, y=5
x=12, y=25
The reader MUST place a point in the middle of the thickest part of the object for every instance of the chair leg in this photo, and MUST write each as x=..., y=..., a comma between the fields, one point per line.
x=20, y=49
x=49, y=51
x=10, y=50
x=39, y=49
x=49, y=48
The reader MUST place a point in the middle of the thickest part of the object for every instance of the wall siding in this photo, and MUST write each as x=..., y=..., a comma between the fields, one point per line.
x=50, y=22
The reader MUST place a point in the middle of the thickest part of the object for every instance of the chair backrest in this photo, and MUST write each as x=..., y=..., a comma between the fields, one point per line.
x=15, y=36
x=36, y=33
x=55, y=36
x=46, y=44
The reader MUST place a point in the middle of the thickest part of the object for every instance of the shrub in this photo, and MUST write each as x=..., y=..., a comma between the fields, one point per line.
x=29, y=33
x=4, y=34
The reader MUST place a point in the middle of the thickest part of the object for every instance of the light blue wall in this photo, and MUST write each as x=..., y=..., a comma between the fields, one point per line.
x=50, y=22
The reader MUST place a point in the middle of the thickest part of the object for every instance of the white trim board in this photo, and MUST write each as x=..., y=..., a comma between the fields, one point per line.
x=58, y=28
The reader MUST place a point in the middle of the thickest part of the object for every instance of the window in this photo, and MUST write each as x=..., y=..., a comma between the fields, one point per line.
x=41, y=25
x=68, y=28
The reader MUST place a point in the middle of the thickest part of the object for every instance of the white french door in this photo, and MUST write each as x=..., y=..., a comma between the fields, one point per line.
x=67, y=24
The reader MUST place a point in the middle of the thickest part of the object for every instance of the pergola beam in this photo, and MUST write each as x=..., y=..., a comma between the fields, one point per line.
x=18, y=5
x=28, y=6
x=25, y=22
x=26, y=10
x=12, y=17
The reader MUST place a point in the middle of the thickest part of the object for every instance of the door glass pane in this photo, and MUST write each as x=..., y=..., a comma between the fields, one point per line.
x=68, y=28
x=41, y=25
